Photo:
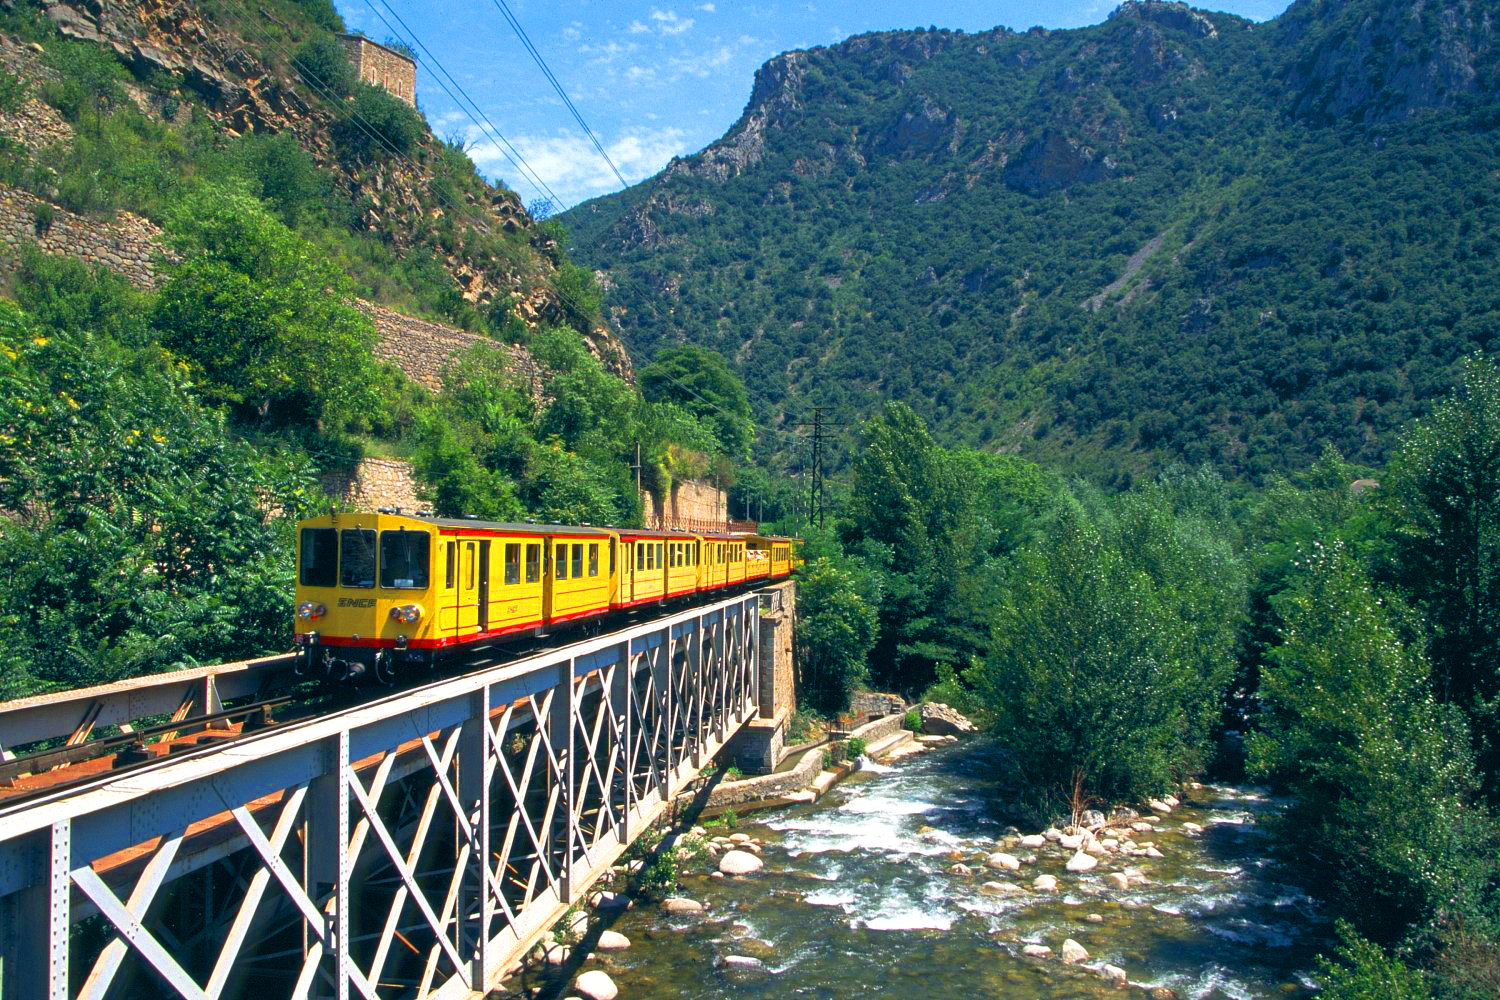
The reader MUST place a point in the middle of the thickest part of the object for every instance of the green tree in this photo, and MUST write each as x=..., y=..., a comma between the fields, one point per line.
x=379, y=125
x=1379, y=771
x=264, y=319
x=837, y=627
x=1362, y=971
x=1443, y=489
x=701, y=382
x=323, y=64
x=139, y=537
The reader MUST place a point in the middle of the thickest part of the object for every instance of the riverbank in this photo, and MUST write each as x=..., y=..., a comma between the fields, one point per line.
x=858, y=896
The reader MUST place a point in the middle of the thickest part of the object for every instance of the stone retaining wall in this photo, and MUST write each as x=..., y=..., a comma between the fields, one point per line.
x=770, y=786
x=874, y=732
x=424, y=350
x=373, y=484
x=128, y=244
x=693, y=505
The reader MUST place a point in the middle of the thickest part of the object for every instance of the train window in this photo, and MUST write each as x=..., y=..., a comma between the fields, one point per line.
x=577, y=570
x=659, y=547
x=512, y=563
x=560, y=569
x=533, y=563
x=611, y=557
x=469, y=558
x=593, y=559
x=640, y=556
x=449, y=551
x=319, y=557
x=357, y=561
x=404, y=559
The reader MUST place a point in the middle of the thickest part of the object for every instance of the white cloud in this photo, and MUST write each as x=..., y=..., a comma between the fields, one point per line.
x=570, y=165
x=670, y=23
x=707, y=8
x=637, y=28
x=640, y=74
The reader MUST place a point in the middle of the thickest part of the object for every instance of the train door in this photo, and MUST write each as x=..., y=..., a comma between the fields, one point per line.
x=549, y=579
x=468, y=589
x=484, y=586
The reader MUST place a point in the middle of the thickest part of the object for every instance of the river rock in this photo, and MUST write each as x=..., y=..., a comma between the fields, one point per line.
x=1141, y=827
x=742, y=963
x=1002, y=889
x=1036, y=950
x=739, y=838
x=558, y=954
x=1034, y=840
x=1115, y=974
x=1118, y=880
x=1008, y=862
x=1045, y=883
x=681, y=904
x=940, y=720
x=927, y=831
x=611, y=901
x=1073, y=952
x=595, y=984
x=1152, y=852
x=1053, y=834
x=1092, y=819
x=1094, y=918
x=960, y=869
x=1157, y=805
x=1082, y=862
x=740, y=863
x=1191, y=828
x=1163, y=993
x=612, y=941
x=1171, y=800
x=1073, y=841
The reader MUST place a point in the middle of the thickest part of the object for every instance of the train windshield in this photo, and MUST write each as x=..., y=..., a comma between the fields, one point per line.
x=319, y=564
x=403, y=560
x=357, y=562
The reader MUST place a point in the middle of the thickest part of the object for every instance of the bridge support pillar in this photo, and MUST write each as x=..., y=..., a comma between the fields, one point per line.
x=761, y=744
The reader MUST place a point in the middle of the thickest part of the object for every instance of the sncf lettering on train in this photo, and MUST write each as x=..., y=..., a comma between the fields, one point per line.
x=356, y=602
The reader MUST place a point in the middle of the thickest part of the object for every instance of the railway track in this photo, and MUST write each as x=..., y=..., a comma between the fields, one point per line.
x=35, y=778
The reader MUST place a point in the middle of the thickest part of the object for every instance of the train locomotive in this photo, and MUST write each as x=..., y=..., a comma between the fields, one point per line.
x=381, y=593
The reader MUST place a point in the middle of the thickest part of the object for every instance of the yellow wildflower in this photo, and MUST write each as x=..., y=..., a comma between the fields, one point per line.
x=39, y=341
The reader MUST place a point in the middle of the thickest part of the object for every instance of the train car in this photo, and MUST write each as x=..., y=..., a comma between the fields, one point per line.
x=643, y=568
x=734, y=552
x=713, y=571
x=682, y=565
x=377, y=591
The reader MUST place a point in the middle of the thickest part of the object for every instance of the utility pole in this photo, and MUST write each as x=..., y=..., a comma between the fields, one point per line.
x=815, y=498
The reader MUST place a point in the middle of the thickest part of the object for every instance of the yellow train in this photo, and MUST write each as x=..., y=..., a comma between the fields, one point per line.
x=377, y=592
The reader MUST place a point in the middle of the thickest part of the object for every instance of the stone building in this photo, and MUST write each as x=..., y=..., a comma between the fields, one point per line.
x=382, y=67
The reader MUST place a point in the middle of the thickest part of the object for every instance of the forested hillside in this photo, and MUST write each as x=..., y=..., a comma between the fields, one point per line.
x=1176, y=235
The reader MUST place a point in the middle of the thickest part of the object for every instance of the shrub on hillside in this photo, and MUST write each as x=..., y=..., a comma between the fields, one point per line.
x=1363, y=972
x=837, y=631
x=322, y=64
x=378, y=125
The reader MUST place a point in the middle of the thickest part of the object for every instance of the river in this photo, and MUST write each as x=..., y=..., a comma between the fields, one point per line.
x=856, y=901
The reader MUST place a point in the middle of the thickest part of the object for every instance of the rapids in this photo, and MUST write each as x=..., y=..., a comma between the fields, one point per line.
x=856, y=901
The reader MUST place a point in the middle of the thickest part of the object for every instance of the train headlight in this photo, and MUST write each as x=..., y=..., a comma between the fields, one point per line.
x=310, y=611
x=407, y=614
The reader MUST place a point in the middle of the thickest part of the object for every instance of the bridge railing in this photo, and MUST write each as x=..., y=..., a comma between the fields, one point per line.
x=414, y=846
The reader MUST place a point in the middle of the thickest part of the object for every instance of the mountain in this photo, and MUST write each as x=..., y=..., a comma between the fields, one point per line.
x=1174, y=236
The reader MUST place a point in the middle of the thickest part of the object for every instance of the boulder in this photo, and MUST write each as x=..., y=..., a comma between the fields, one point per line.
x=940, y=720
x=1115, y=974
x=612, y=941
x=742, y=963
x=1094, y=918
x=1045, y=883
x=960, y=869
x=1171, y=800
x=1092, y=819
x=1141, y=827
x=596, y=985
x=1034, y=840
x=1007, y=862
x=1073, y=841
x=1053, y=834
x=1073, y=952
x=558, y=954
x=681, y=904
x=1118, y=880
x=1082, y=862
x=739, y=838
x=1157, y=805
x=1036, y=950
x=1191, y=828
x=740, y=863
x=1002, y=889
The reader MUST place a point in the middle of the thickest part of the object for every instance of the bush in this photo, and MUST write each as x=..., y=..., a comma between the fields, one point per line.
x=42, y=217
x=322, y=13
x=378, y=125
x=856, y=746
x=912, y=721
x=1363, y=971
x=324, y=66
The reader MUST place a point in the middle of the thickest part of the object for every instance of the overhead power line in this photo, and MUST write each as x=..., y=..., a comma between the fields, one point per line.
x=542, y=63
x=488, y=129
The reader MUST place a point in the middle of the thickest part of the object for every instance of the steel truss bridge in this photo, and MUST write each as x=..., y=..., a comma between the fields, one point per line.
x=414, y=846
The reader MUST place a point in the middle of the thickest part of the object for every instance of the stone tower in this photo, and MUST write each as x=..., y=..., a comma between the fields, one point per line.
x=382, y=67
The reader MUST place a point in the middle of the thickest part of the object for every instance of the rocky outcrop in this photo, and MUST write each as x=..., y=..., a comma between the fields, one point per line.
x=1053, y=161
x=774, y=97
x=919, y=131
x=1386, y=60
x=1177, y=16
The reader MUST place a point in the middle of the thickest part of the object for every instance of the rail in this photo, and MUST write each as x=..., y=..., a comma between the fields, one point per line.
x=416, y=845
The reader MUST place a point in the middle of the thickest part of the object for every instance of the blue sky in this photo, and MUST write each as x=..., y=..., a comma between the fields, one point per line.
x=653, y=80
